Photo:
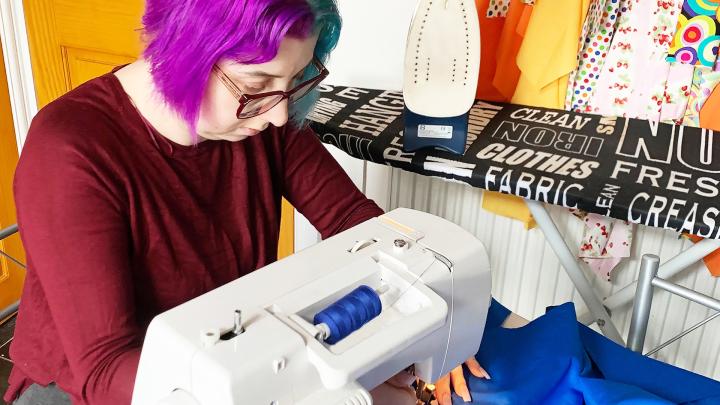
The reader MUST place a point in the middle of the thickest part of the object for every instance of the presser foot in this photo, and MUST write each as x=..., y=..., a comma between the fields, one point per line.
x=424, y=392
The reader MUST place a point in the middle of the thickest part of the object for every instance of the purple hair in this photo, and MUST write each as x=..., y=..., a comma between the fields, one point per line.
x=185, y=38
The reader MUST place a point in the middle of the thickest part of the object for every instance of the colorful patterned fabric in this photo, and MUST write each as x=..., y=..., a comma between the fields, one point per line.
x=586, y=28
x=697, y=37
x=498, y=8
x=703, y=83
x=633, y=79
x=600, y=26
x=677, y=92
x=605, y=242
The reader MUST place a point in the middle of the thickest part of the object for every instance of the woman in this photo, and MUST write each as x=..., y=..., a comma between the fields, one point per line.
x=153, y=184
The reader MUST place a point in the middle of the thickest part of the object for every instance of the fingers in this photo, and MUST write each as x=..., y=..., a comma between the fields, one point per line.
x=442, y=390
x=476, y=369
x=459, y=385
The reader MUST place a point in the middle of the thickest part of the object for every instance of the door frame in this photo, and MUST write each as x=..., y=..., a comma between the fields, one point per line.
x=18, y=69
x=20, y=85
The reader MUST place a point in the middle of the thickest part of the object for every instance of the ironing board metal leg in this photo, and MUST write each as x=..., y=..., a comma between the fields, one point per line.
x=11, y=309
x=687, y=293
x=643, y=303
x=5, y=232
x=682, y=334
x=573, y=270
x=666, y=271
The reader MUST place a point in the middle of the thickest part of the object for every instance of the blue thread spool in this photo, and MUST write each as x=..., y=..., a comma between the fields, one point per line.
x=349, y=313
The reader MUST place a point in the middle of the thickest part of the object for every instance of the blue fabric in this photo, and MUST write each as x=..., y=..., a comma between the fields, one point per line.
x=556, y=360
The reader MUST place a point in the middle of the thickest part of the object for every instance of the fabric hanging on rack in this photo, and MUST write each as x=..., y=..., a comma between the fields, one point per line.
x=508, y=206
x=633, y=79
x=543, y=78
x=702, y=111
x=507, y=72
x=586, y=29
x=605, y=242
x=497, y=8
x=613, y=88
x=704, y=81
x=702, y=89
x=649, y=89
x=677, y=93
x=545, y=69
x=545, y=74
x=505, y=80
x=490, y=31
x=697, y=37
x=703, y=84
x=600, y=26
x=709, y=116
x=695, y=44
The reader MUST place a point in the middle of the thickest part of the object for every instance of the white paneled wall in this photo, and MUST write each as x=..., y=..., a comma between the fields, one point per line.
x=527, y=276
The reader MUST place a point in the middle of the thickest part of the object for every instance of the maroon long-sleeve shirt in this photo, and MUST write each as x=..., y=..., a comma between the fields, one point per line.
x=120, y=224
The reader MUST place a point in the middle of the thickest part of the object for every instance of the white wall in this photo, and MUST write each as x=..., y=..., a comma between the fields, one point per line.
x=372, y=43
x=369, y=54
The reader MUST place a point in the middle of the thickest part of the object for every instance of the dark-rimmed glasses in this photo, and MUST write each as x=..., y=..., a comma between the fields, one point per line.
x=252, y=105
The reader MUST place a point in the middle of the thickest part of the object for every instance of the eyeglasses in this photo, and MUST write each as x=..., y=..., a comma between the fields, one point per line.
x=252, y=105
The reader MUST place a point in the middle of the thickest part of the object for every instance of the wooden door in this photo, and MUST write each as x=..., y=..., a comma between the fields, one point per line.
x=72, y=41
x=11, y=275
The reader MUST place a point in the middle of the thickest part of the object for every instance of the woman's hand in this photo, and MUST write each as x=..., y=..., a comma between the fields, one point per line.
x=457, y=380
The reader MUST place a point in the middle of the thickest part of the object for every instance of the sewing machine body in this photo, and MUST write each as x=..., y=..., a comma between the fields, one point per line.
x=431, y=319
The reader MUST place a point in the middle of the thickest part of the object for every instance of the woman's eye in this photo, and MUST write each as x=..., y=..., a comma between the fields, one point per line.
x=253, y=88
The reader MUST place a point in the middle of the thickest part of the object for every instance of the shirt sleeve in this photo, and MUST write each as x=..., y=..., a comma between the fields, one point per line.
x=76, y=234
x=319, y=188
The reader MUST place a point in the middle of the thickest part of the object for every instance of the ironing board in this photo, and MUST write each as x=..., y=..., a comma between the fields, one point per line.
x=649, y=173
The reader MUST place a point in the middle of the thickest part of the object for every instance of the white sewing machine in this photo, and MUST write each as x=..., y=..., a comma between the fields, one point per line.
x=253, y=340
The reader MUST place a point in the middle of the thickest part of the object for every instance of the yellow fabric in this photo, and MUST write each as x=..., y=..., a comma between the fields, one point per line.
x=508, y=206
x=547, y=56
x=549, y=52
